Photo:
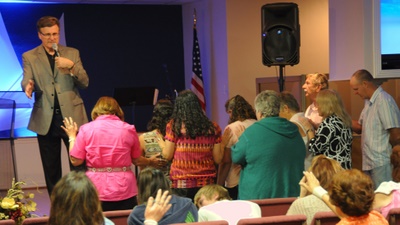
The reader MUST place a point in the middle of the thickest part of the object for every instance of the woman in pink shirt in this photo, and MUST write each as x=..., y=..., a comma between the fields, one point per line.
x=108, y=145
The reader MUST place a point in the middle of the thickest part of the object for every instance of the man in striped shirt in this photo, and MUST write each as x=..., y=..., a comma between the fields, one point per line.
x=379, y=125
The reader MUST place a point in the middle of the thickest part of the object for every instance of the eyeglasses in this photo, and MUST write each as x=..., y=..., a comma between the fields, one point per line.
x=48, y=35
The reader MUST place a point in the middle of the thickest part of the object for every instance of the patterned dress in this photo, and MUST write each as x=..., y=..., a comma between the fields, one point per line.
x=193, y=163
x=333, y=139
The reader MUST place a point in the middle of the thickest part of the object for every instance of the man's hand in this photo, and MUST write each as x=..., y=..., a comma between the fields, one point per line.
x=64, y=64
x=29, y=89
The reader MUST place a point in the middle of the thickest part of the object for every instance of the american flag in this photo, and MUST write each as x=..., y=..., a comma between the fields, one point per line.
x=197, y=77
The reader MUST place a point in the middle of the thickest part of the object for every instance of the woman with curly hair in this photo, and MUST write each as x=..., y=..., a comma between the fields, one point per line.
x=152, y=142
x=351, y=196
x=192, y=142
x=241, y=116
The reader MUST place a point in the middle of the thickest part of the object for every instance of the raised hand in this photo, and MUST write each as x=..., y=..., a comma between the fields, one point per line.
x=156, y=208
x=70, y=127
x=309, y=181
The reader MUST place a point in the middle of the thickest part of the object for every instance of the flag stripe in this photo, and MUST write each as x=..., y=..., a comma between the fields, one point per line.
x=197, y=84
x=197, y=77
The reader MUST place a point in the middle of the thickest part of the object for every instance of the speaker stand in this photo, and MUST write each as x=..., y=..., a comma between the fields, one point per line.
x=281, y=80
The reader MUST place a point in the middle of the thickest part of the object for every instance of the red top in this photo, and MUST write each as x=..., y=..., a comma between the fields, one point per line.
x=193, y=163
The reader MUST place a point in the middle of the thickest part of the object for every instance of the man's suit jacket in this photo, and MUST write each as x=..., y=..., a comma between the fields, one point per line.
x=37, y=68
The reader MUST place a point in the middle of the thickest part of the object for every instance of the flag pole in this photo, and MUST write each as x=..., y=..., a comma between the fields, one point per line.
x=194, y=18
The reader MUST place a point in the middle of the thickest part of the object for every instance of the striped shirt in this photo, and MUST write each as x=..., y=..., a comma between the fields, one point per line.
x=380, y=113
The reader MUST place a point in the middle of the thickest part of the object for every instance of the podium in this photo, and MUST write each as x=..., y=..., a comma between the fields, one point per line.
x=7, y=149
x=137, y=104
x=15, y=110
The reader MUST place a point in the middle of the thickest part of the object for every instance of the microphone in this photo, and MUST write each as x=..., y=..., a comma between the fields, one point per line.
x=55, y=48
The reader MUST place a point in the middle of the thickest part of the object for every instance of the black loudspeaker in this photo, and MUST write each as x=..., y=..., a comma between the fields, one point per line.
x=280, y=34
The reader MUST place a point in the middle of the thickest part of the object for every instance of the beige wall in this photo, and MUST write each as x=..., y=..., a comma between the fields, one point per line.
x=336, y=38
x=230, y=41
x=244, y=43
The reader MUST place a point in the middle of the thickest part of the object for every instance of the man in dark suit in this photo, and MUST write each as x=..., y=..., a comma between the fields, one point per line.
x=54, y=73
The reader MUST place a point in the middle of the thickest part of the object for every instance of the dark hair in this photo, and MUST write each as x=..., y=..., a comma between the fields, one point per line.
x=74, y=201
x=107, y=106
x=47, y=21
x=161, y=115
x=187, y=111
x=290, y=101
x=240, y=109
x=149, y=181
x=353, y=192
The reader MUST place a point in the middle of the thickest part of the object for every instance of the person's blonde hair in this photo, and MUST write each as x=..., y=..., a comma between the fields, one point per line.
x=107, y=106
x=209, y=191
x=324, y=169
x=330, y=103
x=319, y=79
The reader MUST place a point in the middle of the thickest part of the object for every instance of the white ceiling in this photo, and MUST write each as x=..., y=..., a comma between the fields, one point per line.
x=133, y=2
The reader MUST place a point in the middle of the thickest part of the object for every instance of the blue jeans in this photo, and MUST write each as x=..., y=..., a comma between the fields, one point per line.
x=380, y=174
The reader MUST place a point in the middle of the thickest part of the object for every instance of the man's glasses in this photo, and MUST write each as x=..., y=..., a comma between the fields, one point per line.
x=48, y=35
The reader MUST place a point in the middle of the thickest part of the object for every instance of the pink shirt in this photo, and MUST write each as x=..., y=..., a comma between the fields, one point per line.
x=395, y=203
x=109, y=142
x=230, y=211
